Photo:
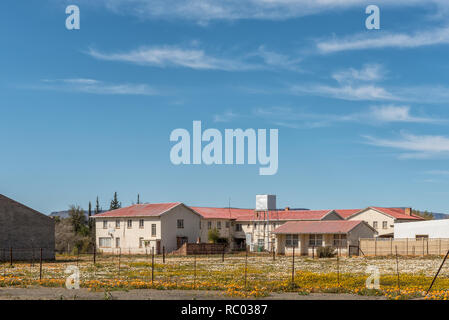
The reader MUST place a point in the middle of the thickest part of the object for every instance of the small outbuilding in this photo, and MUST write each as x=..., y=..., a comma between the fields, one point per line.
x=24, y=232
x=422, y=229
x=306, y=236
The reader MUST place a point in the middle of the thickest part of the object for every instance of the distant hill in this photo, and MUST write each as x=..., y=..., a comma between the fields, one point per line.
x=439, y=216
x=65, y=214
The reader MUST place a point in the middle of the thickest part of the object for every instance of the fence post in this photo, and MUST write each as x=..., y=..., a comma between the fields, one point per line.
x=77, y=257
x=436, y=275
x=274, y=254
x=375, y=247
x=439, y=247
x=194, y=271
x=391, y=246
x=246, y=266
x=397, y=267
x=223, y=254
x=407, y=247
x=152, y=265
x=119, y=260
x=10, y=256
x=338, y=271
x=163, y=254
x=95, y=253
x=293, y=266
x=40, y=267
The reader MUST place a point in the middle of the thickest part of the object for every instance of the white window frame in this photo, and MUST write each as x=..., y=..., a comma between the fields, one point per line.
x=315, y=240
x=104, y=242
x=291, y=240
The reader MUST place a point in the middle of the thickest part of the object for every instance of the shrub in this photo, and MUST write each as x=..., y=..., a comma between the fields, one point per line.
x=325, y=252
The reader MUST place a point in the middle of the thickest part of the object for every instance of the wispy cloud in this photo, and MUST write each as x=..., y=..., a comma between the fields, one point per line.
x=393, y=113
x=419, y=146
x=96, y=87
x=366, y=92
x=438, y=172
x=195, y=58
x=364, y=41
x=203, y=11
x=301, y=118
x=369, y=72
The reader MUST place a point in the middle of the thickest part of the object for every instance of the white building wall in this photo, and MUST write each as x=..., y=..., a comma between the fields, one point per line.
x=430, y=228
x=170, y=231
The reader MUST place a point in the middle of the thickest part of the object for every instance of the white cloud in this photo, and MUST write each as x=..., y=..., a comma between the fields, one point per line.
x=438, y=172
x=347, y=92
x=369, y=72
x=203, y=11
x=300, y=118
x=421, y=147
x=392, y=113
x=97, y=87
x=226, y=117
x=195, y=58
x=363, y=41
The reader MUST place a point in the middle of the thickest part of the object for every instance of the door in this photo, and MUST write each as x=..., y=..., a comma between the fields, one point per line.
x=180, y=241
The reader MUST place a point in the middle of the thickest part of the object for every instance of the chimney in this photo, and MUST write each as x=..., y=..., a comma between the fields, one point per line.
x=287, y=208
x=408, y=211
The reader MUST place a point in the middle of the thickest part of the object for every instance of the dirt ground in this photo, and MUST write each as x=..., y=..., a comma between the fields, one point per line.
x=40, y=293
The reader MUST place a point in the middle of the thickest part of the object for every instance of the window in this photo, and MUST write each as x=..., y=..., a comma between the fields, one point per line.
x=180, y=224
x=261, y=243
x=105, y=224
x=375, y=224
x=104, y=242
x=238, y=227
x=130, y=224
x=209, y=225
x=291, y=240
x=153, y=230
x=117, y=242
x=384, y=224
x=141, y=223
x=219, y=225
x=315, y=240
x=117, y=224
x=422, y=236
x=140, y=242
x=227, y=224
x=339, y=240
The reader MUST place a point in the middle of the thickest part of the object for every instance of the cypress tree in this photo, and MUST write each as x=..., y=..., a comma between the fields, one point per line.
x=115, y=204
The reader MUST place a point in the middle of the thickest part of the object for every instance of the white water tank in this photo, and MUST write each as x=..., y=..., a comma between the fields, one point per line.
x=265, y=202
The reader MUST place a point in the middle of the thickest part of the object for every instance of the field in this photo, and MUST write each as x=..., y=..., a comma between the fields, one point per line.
x=235, y=276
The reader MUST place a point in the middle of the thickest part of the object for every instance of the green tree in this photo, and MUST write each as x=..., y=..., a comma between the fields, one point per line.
x=97, y=207
x=213, y=235
x=115, y=204
x=138, y=198
x=78, y=220
x=426, y=215
x=89, y=213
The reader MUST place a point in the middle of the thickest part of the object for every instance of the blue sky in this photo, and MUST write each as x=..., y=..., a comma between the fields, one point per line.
x=362, y=114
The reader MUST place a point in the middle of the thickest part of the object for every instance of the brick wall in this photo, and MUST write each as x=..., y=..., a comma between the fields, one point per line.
x=25, y=231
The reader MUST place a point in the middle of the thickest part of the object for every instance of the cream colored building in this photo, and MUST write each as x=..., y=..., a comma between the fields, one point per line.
x=145, y=227
x=384, y=219
x=304, y=237
x=140, y=228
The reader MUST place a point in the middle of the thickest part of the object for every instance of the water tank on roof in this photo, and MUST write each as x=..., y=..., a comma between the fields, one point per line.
x=265, y=202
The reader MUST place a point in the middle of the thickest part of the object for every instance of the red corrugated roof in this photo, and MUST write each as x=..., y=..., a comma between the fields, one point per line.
x=398, y=213
x=345, y=213
x=222, y=213
x=287, y=215
x=140, y=210
x=305, y=227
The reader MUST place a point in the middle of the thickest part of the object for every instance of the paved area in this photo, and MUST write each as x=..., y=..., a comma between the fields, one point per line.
x=40, y=293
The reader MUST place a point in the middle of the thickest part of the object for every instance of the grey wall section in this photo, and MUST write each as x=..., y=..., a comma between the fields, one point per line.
x=26, y=231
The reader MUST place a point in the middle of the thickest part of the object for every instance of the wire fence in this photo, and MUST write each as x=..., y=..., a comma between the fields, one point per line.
x=199, y=271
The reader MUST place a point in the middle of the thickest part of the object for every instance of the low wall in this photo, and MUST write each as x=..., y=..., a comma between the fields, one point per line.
x=405, y=246
x=200, y=248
